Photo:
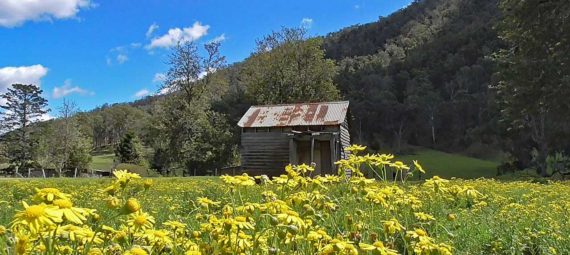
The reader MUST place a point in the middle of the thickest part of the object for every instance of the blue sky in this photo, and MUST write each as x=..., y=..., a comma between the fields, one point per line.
x=107, y=51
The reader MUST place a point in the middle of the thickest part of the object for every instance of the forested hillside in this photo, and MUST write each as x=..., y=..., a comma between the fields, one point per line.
x=427, y=75
x=421, y=76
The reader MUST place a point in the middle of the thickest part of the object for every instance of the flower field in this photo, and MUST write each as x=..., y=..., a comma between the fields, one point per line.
x=295, y=213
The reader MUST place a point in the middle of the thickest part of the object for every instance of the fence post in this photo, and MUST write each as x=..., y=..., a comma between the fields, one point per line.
x=75, y=174
x=29, y=172
x=43, y=172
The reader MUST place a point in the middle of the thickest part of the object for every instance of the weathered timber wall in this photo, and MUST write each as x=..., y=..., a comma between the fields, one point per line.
x=264, y=153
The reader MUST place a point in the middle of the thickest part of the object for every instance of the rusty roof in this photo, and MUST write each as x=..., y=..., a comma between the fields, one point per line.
x=301, y=114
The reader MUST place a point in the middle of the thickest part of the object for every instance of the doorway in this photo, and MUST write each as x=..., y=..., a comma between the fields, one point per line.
x=321, y=156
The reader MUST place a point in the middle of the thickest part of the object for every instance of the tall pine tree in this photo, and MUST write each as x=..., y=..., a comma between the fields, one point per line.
x=24, y=105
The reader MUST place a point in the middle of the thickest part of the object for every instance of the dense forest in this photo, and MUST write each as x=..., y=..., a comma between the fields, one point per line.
x=433, y=74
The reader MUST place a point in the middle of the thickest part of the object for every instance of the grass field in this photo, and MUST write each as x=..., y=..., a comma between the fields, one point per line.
x=438, y=163
x=102, y=162
x=451, y=165
x=208, y=216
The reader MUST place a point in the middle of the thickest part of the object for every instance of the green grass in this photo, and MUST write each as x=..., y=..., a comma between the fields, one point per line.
x=105, y=162
x=102, y=162
x=451, y=165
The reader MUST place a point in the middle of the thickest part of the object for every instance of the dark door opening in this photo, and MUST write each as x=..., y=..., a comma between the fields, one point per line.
x=321, y=156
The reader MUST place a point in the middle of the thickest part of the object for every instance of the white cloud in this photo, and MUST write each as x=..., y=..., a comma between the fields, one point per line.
x=159, y=78
x=16, y=12
x=182, y=35
x=120, y=54
x=68, y=88
x=45, y=116
x=219, y=38
x=142, y=93
x=122, y=58
x=21, y=74
x=204, y=73
x=307, y=22
x=151, y=30
x=166, y=90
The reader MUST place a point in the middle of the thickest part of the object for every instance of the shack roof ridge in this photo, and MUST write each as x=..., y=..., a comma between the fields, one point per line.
x=307, y=103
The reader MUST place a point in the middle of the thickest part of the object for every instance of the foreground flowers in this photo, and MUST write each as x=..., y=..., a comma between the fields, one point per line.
x=295, y=213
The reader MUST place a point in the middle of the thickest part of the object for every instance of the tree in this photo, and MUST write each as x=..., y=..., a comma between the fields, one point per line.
x=129, y=150
x=24, y=105
x=190, y=135
x=287, y=68
x=425, y=100
x=189, y=73
x=61, y=144
x=66, y=132
x=73, y=147
x=534, y=71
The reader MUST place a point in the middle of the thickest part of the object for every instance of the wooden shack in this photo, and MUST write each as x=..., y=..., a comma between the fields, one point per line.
x=276, y=135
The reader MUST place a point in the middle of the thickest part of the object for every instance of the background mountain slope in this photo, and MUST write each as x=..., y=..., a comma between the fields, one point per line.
x=420, y=76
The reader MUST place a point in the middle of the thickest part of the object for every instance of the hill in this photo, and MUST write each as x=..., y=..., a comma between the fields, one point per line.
x=417, y=77
x=421, y=76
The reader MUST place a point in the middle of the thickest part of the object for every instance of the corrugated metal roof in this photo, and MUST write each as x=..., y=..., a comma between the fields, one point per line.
x=302, y=114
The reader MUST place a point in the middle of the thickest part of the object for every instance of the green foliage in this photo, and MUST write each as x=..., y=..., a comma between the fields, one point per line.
x=108, y=124
x=80, y=154
x=421, y=75
x=288, y=68
x=473, y=216
x=129, y=150
x=24, y=105
x=189, y=135
x=61, y=143
x=534, y=74
x=191, y=138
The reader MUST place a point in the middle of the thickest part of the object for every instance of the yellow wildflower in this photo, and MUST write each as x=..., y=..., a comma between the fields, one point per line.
x=423, y=216
x=377, y=248
x=35, y=217
x=140, y=220
x=132, y=206
x=70, y=213
x=419, y=167
x=47, y=195
x=136, y=251
x=392, y=226
x=123, y=176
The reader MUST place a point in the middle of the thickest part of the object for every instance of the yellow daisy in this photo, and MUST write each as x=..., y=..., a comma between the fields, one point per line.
x=37, y=216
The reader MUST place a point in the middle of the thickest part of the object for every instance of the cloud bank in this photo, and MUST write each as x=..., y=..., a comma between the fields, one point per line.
x=67, y=89
x=21, y=74
x=182, y=35
x=14, y=13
